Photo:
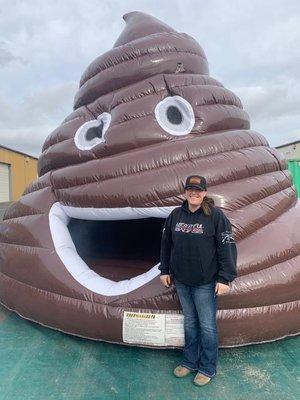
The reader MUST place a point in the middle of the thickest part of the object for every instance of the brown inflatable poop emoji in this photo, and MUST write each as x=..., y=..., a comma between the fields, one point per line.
x=79, y=251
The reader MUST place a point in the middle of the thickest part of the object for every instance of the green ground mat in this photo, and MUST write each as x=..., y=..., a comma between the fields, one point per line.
x=37, y=363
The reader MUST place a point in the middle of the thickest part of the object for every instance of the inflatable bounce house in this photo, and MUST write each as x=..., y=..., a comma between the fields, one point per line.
x=79, y=252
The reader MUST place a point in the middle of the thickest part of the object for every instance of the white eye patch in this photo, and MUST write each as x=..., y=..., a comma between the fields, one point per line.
x=175, y=115
x=91, y=133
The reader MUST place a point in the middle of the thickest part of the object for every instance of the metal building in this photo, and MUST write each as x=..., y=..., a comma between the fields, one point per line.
x=17, y=171
x=290, y=150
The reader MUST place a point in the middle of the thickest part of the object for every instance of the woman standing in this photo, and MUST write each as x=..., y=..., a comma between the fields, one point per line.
x=198, y=253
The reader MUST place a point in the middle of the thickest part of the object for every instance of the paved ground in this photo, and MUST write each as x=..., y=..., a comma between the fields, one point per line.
x=38, y=363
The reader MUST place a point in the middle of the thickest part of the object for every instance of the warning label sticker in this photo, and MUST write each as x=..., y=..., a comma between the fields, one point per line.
x=153, y=329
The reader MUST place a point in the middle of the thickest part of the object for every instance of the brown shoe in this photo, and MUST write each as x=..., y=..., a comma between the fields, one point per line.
x=180, y=371
x=201, y=379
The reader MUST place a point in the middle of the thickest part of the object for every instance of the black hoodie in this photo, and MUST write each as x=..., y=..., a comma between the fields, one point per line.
x=197, y=248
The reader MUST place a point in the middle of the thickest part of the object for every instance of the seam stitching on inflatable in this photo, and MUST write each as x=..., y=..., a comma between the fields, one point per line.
x=237, y=180
x=25, y=215
x=282, y=260
x=25, y=193
x=139, y=345
x=163, y=295
x=83, y=116
x=25, y=245
x=147, y=114
x=132, y=150
x=137, y=116
x=262, y=198
x=268, y=268
x=156, y=91
x=172, y=196
x=72, y=119
x=137, y=57
x=82, y=91
x=151, y=114
x=284, y=210
x=188, y=159
x=48, y=140
x=129, y=306
x=134, y=99
x=36, y=190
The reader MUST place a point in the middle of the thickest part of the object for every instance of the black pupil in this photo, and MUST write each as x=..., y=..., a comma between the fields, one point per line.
x=95, y=131
x=174, y=115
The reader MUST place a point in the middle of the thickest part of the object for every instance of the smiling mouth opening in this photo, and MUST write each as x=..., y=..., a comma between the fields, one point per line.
x=110, y=251
x=118, y=250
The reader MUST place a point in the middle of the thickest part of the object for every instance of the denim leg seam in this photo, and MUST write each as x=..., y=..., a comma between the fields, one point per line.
x=191, y=369
x=206, y=374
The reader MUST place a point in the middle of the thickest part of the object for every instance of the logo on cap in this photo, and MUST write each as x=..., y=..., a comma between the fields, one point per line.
x=195, y=180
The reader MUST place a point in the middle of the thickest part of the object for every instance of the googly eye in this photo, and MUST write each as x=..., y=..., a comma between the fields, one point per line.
x=175, y=115
x=91, y=133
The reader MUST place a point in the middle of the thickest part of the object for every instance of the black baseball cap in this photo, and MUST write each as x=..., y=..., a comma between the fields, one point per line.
x=195, y=181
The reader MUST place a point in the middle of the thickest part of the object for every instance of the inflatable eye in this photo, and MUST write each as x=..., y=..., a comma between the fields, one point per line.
x=175, y=115
x=92, y=132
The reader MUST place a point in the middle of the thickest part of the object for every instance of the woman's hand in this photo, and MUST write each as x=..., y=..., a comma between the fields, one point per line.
x=222, y=288
x=165, y=280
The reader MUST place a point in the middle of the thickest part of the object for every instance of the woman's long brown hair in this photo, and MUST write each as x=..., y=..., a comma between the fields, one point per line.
x=207, y=204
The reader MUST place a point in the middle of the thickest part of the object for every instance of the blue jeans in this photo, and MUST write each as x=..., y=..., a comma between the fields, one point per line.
x=199, y=306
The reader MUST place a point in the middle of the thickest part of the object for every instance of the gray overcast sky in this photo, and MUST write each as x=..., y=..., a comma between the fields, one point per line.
x=252, y=47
